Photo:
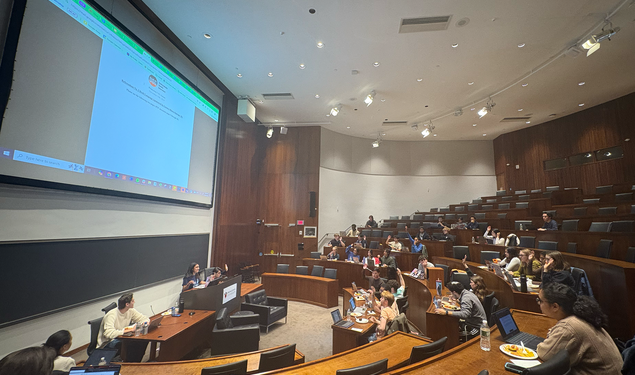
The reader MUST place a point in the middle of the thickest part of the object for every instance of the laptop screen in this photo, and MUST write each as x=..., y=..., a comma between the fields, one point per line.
x=104, y=370
x=507, y=325
x=351, y=303
x=335, y=314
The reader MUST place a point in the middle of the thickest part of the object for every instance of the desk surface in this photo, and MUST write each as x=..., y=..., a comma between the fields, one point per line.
x=319, y=291
x=172, y=325
x=470, y=359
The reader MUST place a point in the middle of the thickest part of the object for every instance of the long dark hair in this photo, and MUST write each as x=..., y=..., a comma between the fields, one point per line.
x=190, y=269
x=57, y=340
x=36, y=360
x=513, y=252
x=559, y=263
x=584, y=307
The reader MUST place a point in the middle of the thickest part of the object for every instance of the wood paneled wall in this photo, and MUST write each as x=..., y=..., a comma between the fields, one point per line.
x=602, y=126
x=266, y=179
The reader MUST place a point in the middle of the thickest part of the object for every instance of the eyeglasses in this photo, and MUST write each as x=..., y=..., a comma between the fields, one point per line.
x=539, y=301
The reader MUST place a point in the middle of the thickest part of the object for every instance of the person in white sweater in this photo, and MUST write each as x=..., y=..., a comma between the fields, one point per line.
x=117, y=322
x=511, y=261
x=60, y=342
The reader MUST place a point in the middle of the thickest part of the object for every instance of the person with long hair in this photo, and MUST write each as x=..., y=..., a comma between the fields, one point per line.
x=37, y=360
x=511, y=261
x=556, y=270
x=529, y=265
x=478, y=287
x=498, y=240
x=190, y=280
x=60, y=342
x=580, y=330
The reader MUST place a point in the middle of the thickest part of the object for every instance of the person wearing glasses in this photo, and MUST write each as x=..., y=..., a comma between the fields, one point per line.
x=580, y=330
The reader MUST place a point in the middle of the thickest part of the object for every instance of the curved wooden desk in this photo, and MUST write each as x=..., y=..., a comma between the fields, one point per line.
x=468, y=358
x=194, y=367
x=318, y=291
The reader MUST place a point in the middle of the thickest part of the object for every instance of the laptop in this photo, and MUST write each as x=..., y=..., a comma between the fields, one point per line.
x=515, y=283
x=100, y=370
x=98, y=354
x=497, y=270
x=154, y=324
x=510, y=332
x=338, y=321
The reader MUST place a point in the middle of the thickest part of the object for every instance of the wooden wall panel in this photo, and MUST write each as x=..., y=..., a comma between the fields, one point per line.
x=602, y=126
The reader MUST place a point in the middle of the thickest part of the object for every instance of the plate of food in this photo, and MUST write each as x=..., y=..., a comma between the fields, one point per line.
x=517, y=351
x=361, y=320
x=354, y=314
x=450, y=306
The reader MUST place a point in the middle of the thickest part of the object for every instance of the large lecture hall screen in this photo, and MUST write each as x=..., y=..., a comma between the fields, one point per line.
x=90, y=106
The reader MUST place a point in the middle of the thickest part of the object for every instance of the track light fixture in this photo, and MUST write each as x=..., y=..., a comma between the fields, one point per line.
x=427, y=130
x=487, y=109
x=377, y=141
x=284, y=130
x=593, y=43
x=270, y=132
x=369, y=99
x=336, y=110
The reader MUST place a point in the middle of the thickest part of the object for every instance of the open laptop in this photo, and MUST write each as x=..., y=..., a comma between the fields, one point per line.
x=338, y=321
x=510, y=332
x=497, y=270
x=100, y=370
x=515, y=283
x=98, y=354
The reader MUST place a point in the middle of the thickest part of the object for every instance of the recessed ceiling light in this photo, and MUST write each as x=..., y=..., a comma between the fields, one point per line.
x=328, y=115
x=470, y=83
x=471, y=109
x=239, y=75
x=317, y=96
x=434, y=135
x=275, y=120
x=473, y=124
x=207, y=35
x=376, y=64
x=455, y=45
x=419, y=79
x=270, y=74
x=320, y=45
x=521, y=45
x=525, y=84
x=383, y=133
x=348, y=127
x=581, y=105
x=581, y=83
x=383, y=100
x=520, y=109
x=527, y=122
x=484, y=134
x=302, y=66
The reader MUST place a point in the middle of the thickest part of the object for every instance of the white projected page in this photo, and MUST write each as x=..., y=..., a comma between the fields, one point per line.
x=114, y=116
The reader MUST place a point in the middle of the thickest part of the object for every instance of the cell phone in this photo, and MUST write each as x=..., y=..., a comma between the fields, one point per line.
x=514, y=368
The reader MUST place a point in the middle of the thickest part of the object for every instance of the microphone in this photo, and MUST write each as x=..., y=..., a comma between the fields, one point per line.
x=151, y=309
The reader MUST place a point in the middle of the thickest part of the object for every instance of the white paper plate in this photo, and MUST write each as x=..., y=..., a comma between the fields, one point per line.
x=534, y=355
x=361, y=320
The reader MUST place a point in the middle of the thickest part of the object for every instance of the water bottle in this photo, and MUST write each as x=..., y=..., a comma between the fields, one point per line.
x=137, y=330
x=102, y=362
x=485, y=343
x=523, y=283
x=145, y=328
x=173, y=311
x=521, y=227
x=473, y=239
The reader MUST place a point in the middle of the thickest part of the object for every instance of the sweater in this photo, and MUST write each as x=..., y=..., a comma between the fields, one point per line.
x=63, y=363
x=591, y=351
x=114, y=322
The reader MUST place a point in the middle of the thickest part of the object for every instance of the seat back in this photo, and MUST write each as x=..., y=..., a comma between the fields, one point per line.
x=401, y=302
x=386, y=233
x=577, y=273
x=580, y=211
x=414, y=225
x=536, y=191
x=500, y=193
x=459, y=208
x=394, y=218
x=520, y=192
x=417, y=217
x=374, y=244
x=315, y=254
x=604, y=248
x=477, y=201
x=429, y=217
x=450, y=216
x=463, y=278
x=507, y=198
x=302, y=270
x=330, y=273
x=495, y=304
x=572, y=248
x=112, y=305
x=557, y=365
x=482, y=226
x=422, y=352
x=503, y=206
x=502, y=216
x=282, y=268
x=444, y=209
x=367, y=232
x=374, y=368
x=434, y=210
x=94, y=332
x=404, y=217
x=446, y=270
x=459, y=252
x=489, y=255
x=257, y=298
x=479, y=215
x=487, y=305
x=552, y=188
x=623, y=197
x=277, y=358
x=375, y=233
x=238, y=368
x=472, y=207
x=527, y=241
x=607, y=211
x=317, y=271
x=487, y=207
x=570, y=225
x=632, y=208
x=524, y=197
x=630, y=255
x=548, y=245
x=604, y=189
x=223, y=320
x=591, y=200
x=600, y=226
x=622, y=226
x=522, y=204
x=401, y=225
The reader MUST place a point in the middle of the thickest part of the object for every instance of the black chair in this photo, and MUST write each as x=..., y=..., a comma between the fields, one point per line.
x=477, y=201
x=277, y=358
x=520, y=192
x=522, y=204
x=548, y=245
x=404, y=217
x=552, y=212
x=503, y=206
x=536, y=191
x=546, y=194
x=598, y=226
x=386, y=233
x=317, y=271
x=487, y=305
x=591, y=200
x=315, y=254
x=282, y=268
x=459, y=252
x=238, y=368
x=557, y=365
x=401, y=304
x=479, y=215
x=367, y=232
x=94, y=333
x=632, y=208
x=423, y=352
x=570, y=225
x=374, y=368
x=630, y=255
x=429, y=218
x=622, y=226
x=450, y=216
x=500, y=193
x=483, y=372
x=270, y=309
x=607, y=189
x=444, y=209
x=235, y=334
x=463, y=278
x=495, y=304
x=604, y=249
x=482, y=226
x=572, y=248
x=414, y=225
x=576, y=274
x=417, y=217
x=375, y=233
x=552, y=188
x=330, y=273
x=524, y=197
x=110, y=307
x=401, y=225
x=459, y=208
x=607, y=211
x=472, y=207
x=302, y=270
x=434, y=210
x=489, y=255
x=446, y=272
x=374, y=245
x=623, y=197
x=502, y=216
x=487, y=207
x=393, y=218
x=507, y=198
x=528, y=241
x=579, y=211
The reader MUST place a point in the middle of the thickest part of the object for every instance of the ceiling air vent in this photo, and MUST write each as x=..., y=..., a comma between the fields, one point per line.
x=515, y=119
x=278, y=96
x=416, y=25
x=394, y=123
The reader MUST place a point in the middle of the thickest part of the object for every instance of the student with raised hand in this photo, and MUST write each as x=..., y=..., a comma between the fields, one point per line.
x=417, y=246
x=60, y=342
x=37, y=360
x=190, y=280
x=580, y=330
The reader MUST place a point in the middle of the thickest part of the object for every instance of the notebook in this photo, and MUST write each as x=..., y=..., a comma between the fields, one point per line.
x=338, y=321
x=101, y=370
x=510, y=332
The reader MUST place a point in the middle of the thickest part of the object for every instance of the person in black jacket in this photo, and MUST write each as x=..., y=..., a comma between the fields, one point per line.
x=472, y=224
x=556, y=270
x=371, y=223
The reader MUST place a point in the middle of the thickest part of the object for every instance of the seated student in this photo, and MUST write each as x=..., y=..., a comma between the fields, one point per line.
x=529, y=266
x=422, y=235
x=471, y=308
x=580, y=329
x=417, y=246
x=549, y=223
x=472, y=224
x=498, y=240
x=215, y=277
x=375, y=282
x=337, y=241
x=479, y=288
x=422, y=268
x=190, y=280
x=511, y=262
x=393, y=242
x=446, y=236
x=60, y=342
x=387, y=314
x=37, y=360
x=441, y=223
x=116, y=323
x=333, y=255
x=362, y=241
x=371, y=223
x=395, y=287
x=353, y=256
x=387, y=260
x=556, y=270
x=489, y=233
x=353, y=231
x=460, y=224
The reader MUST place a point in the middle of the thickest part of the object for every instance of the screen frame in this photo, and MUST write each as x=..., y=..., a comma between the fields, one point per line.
x=7, y=64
